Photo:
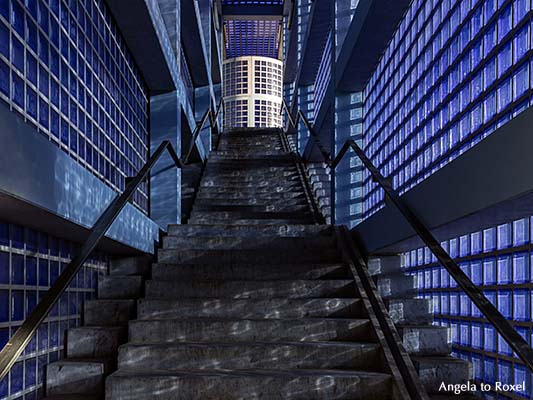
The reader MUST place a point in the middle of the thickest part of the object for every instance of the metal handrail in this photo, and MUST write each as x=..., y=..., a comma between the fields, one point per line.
x=489, y=311
x=213, y=122
x=18, y=342
x=294, y=123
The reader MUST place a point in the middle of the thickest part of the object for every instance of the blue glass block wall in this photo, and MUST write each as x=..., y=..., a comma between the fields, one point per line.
x=453, y=72
x=306, y=101
x=30, y=262
x=66, y=69
x=349, y=172
x=499, y=260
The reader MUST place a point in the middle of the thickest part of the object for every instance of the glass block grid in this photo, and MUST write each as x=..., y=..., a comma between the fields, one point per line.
x=266, y=114
x=252, y=38
x=186, y=77
x=453, y=72
x=323, y=75
x=30, y=262
x=268, y=78
x=236, y=113
x=66, y=70
x=306, y=101
x=499, y=260
x=349, y=172
x=235, y=78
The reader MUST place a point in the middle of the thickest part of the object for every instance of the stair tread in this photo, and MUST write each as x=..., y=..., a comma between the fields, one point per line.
x=221, y=373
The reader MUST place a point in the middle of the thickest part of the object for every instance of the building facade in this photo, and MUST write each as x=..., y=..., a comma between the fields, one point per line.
x=438, y=94
x=83, y=102
x=252, y=90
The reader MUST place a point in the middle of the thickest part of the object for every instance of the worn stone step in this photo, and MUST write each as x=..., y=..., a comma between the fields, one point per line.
x=265, y=197
x=130, y=266
x=426, y=339
x=77, y=377
x=112, y=312
x=246, y=210
x=250, y=289
x=234, y=256
x=256, y=173
x=249, y=384
x=248, y=221
x=72, y=397
x=280, y=230
x=243, y=243
x=252, y=181
x=252, y=203
x=435, y=370
x=172, y=272
x=265, y=192
x=396, y=285
x=410, y=311
x=273, y=308
x=119, y=287
x=260, y=355
x=248, y=330
x=94, y=341
x=384, y=265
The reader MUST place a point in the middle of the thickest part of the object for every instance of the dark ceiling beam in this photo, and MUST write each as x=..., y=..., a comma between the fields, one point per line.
x=136, y=26
x=371, y=29
x=192, y=44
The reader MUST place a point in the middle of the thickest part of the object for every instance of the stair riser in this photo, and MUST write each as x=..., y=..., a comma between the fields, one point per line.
x=249, y=289
x=426, y=340
x=280, y=221
x=108, y=312
x=262, y=207
x=248, y=387
x=169, y=331
x=85, y=378
x=435, y=370
x=250, y=309
x=94, y=342
x=395, y=286
x=411, y=311
x=253, y=231
x=170, y=272
x=245, y=256
x=213, y=243
x=119, y=287
x=244, y=356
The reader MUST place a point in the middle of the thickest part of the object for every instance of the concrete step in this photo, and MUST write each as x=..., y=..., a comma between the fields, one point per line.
x=234, y=256
x=250, y=289
x=248, y=221
x=280, y=230
x=265, y=197
x=396, y=285
x=72, y=397
x=252, y=188
x=94, y=341
x=235, y=215
x=264, y=183
x=172, y=272
x=260, y=355
x=421, y=340
x=240, y=209
x=251, y=174
x=108, y=312
x=273, y=308
x=435, y=370
x=248, y=330
x=384, y=265
x=119, y=287
x=199, y=204
x=239, y=242
x=248, y=384
x=130, y=266
x=410, y=311
x=77, y=377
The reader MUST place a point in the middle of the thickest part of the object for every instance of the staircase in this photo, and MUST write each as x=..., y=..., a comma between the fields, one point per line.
x=250, y=300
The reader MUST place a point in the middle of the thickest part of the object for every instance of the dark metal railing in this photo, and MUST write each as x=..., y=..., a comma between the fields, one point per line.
x=213, y=121
x=474, y=293
x=18, y=342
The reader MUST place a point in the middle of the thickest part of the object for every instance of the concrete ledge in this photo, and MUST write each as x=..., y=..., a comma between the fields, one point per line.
x=488, y=185
x=45, y=189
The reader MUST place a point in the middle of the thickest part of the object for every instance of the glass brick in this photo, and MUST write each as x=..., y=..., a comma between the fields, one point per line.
x=522, y=305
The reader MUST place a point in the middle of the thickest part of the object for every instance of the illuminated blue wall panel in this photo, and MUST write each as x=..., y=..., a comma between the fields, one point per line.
x=453, y=72
x=66, y=70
